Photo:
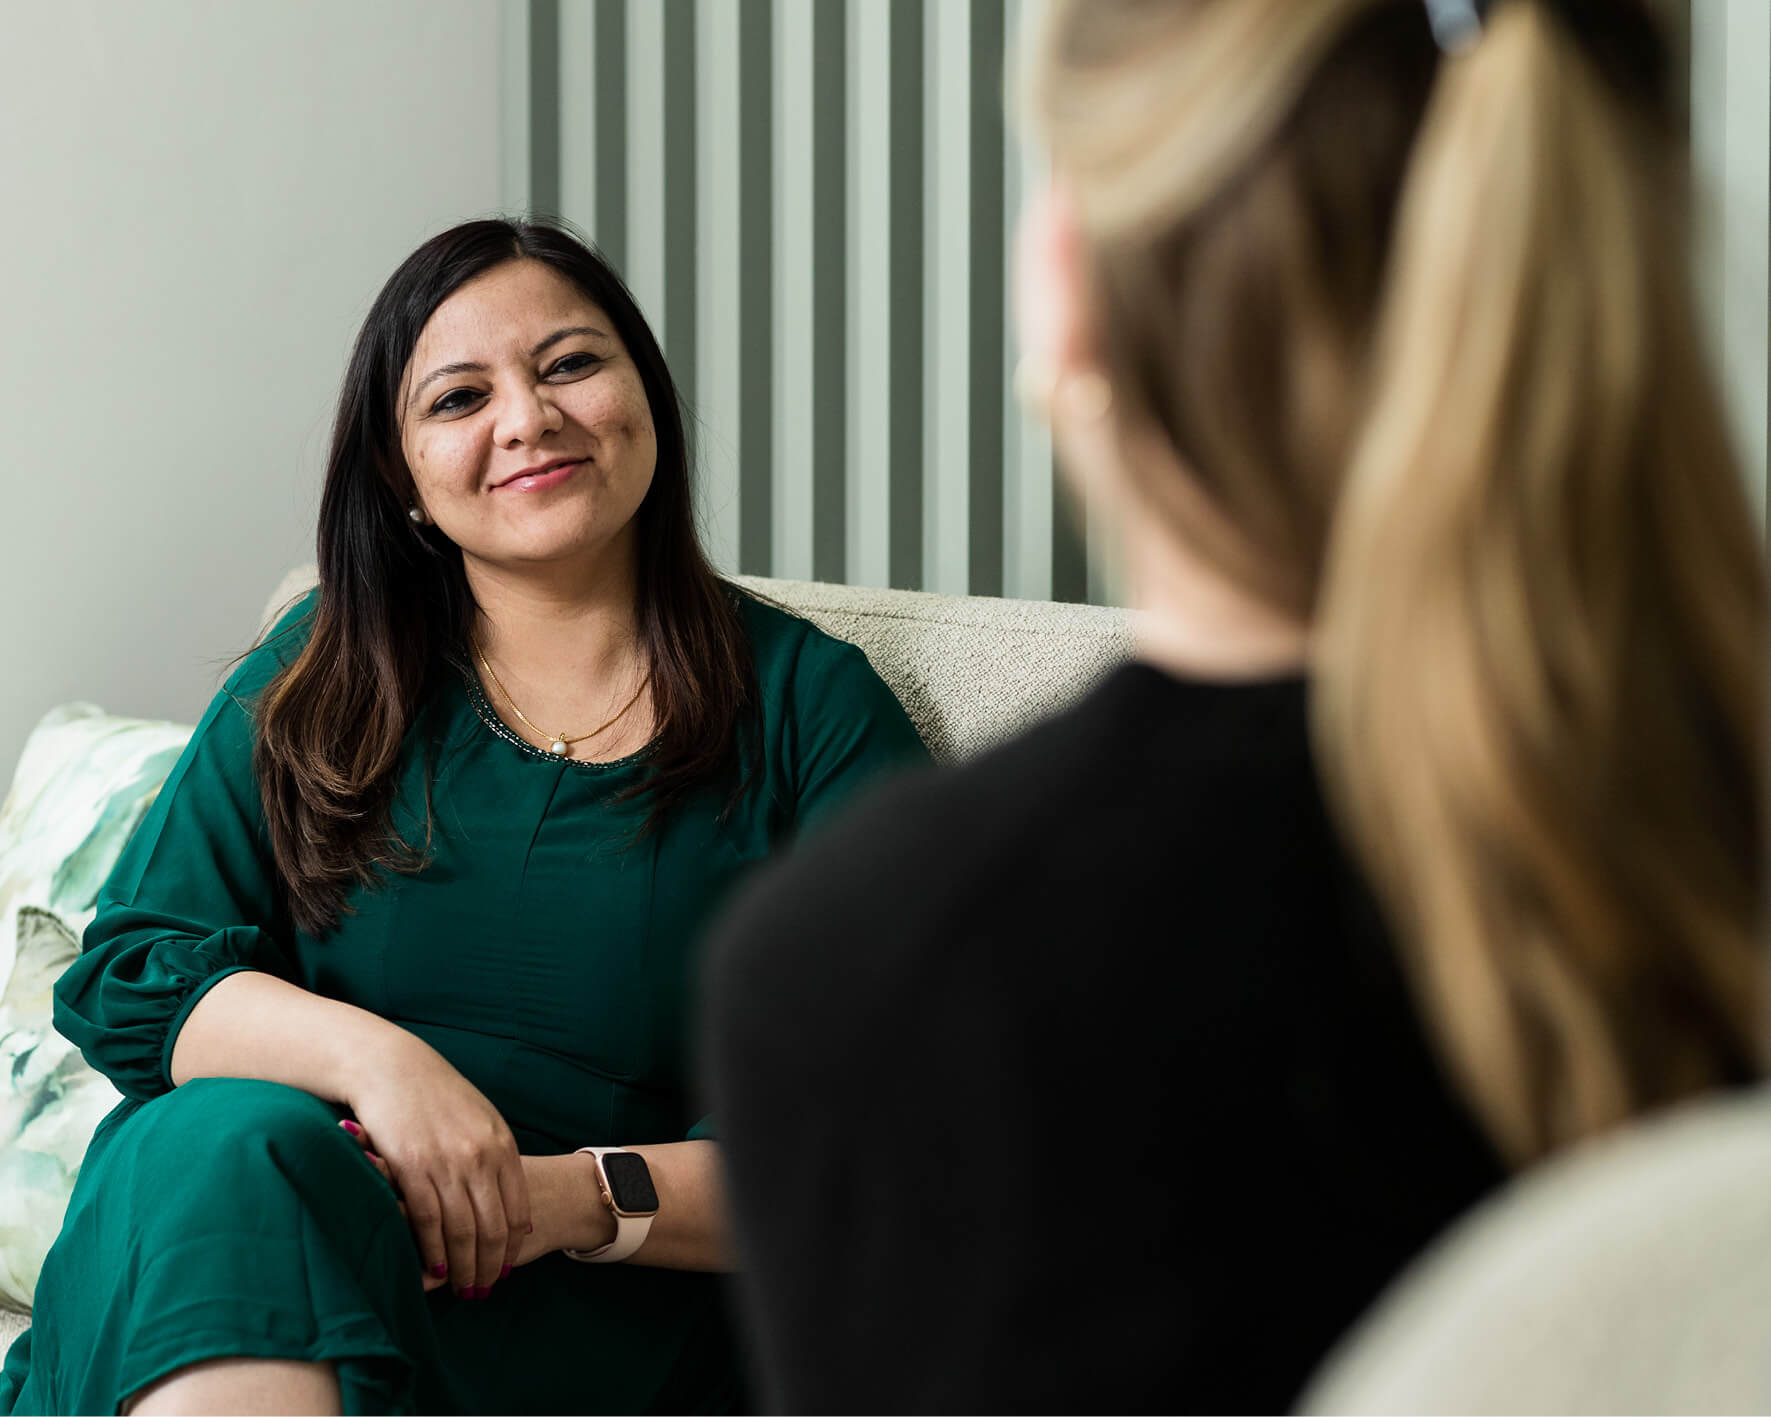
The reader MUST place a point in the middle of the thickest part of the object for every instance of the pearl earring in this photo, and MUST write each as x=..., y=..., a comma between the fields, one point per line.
x=1086, y=396
x=416, y=515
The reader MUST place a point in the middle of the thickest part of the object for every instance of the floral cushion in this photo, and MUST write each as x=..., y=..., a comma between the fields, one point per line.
x=83, y=783
x=49, y=1105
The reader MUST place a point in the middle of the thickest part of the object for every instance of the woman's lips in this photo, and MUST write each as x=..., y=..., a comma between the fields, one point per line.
x=539, y=481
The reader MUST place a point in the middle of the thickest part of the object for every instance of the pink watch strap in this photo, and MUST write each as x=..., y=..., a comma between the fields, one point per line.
x=630, y=1230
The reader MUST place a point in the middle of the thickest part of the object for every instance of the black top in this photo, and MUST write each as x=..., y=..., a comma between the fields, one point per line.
x=1081, y=1077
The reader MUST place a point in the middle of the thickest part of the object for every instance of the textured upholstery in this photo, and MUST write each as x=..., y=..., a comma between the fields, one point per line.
x=969, y=670
x=1632, y=1276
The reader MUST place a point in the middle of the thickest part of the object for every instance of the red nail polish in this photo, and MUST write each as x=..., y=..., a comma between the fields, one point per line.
x=352, y=1128
x=529, y=1229
x=440, y=1271
x=504, y=1273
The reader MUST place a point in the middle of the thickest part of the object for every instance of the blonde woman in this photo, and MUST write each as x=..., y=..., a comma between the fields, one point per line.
x=1426, y=834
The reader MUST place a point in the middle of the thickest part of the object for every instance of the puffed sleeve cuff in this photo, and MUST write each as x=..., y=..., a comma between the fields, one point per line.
x=184, y=1012
x=703, y=1130
x=123, y=1002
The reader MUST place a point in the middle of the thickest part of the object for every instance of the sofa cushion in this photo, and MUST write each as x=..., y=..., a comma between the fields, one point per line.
x=84, y=781
x=50, y=1102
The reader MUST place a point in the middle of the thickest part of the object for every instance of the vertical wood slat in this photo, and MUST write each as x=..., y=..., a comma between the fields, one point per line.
x=660, y=197
x=809, y=356
x=681, y=215
x=870, y=294
x=544, y=106
x=794, y=354
x=964, y=308
x=907, y=261
x=577, y=136
x=1052, y=522
x=718, y=412
x=609, y=82
x=946, y=280
x=756, y=296
x=828, y=122
x=643, y=201
x=515, y=56
x=883, y=246
x=1027, y=467
x=987, y=309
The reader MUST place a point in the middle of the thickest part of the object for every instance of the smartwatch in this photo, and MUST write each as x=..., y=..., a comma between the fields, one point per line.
x=626, y=1185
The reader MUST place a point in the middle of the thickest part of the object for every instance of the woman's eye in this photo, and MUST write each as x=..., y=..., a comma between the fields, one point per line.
x=454, y=401
x=574, y=364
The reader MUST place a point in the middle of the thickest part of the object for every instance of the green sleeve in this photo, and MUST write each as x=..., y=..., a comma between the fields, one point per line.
x=703, y=1130
x=848, y=731
x=190, y=901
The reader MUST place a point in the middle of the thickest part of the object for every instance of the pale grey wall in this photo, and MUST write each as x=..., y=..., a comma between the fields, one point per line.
x=200, y=199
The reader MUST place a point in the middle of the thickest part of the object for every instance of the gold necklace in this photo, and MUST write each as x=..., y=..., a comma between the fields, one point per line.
x=558, y=743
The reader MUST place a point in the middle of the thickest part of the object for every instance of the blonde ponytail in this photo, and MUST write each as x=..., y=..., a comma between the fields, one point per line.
x=1420, y=331
x=1540, y=690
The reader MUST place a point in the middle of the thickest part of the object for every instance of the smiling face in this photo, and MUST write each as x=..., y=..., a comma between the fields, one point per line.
x=525, y=424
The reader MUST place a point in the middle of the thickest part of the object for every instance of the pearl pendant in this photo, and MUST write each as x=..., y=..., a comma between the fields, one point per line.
x=557, y=748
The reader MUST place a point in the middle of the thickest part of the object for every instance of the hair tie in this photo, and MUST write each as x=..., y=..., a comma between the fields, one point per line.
x=1456, y=24
x=1621, y=37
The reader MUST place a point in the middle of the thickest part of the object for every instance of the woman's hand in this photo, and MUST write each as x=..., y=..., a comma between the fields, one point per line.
x=558, y=1190
x=429, y=1281
x=690, y=1231
x=449, y=1155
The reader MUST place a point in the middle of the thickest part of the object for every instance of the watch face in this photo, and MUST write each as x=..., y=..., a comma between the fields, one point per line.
x=630, y=1183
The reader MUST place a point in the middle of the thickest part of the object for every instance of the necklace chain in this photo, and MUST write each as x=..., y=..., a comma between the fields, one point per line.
x=558, y=743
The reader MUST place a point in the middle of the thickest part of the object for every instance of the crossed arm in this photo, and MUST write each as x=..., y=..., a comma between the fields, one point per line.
x=475, y=1204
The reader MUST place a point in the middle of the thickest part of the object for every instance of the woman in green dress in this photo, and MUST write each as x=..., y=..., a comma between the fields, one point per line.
x=416, y=916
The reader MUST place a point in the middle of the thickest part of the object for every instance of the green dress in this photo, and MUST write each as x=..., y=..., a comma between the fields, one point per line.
x=546, y=956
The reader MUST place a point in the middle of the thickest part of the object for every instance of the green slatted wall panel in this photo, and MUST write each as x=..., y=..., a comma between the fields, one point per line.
x=814, y=202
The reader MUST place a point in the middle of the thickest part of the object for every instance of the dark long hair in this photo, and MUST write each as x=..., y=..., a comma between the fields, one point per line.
x=395, y=609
